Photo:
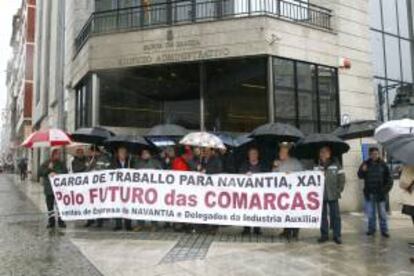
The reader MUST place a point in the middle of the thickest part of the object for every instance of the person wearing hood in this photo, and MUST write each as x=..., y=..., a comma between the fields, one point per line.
x=377, y=184
x=287, y=164
x=122, y=161
x=334, y=186
x=54, y=165
x=407, y=185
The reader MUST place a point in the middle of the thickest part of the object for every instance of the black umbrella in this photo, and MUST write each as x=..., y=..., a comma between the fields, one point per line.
x=357, y=129
x=401, y=149
x=167, y=130
x=309, y=146
x=277, y=131
x=134, y=143
x=94, y=135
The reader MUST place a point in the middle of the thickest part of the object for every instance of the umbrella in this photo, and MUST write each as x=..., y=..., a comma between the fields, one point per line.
x=74, y=147
x=357, y=129
x=243, y=140
x=133, y=143
x=161, y=142
x=309, y=146
x=94, y=135
x=227, y=139
x=401, y=149
x=47, y=138
x=393, y=129
x=278, y=131
x=202, y=139
x=167, y=130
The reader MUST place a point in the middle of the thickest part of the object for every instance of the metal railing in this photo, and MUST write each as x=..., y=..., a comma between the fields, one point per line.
x=173, y=13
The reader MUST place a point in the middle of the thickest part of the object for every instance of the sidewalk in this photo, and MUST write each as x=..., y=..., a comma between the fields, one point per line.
x=229, y=253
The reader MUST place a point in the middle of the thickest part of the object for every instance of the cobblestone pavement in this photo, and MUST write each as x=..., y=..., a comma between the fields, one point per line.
x=26, y=248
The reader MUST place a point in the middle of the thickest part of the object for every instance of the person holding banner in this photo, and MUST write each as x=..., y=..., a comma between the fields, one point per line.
x=334, y=186
x=252, y=165
x=98, y=161
x=286, y=163
x=122, y=161
x=54, y=165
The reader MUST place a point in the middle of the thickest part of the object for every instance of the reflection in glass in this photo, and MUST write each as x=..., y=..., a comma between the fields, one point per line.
x=83, y=104
x=284, y=87
x=147, y=96
x=327, y=99
x=236, y=95
x=375, y=14
x=406, y=60
x=378, y=53
x=390, y=16
x=392, y=51
x=403, y=18
x=307, y=96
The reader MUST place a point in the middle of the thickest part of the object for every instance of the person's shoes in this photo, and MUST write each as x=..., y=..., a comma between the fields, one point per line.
x=88, y=223
x=61, y=224
x=323, y=239
x=337, y=240
x=50, y=225
x=257, y=232
x=370, y=233
x=117, y=228
x=385, y=235
x=283, y=235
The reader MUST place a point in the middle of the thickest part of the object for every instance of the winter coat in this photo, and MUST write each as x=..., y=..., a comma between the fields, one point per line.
x=59, y=167
x=116, y=164
x=377, y=179
x=179, y=164
x=246, y=167
x=212, y=165
x=289, y=165
x=407, y=184
x=99, y=163
x=79, y=165
x=334, y=179
x=147, y=164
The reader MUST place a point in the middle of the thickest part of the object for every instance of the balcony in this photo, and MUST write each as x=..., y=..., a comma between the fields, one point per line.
x=175, y=13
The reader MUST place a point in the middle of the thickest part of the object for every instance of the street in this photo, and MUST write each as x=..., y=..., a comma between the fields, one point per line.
x=28, y=248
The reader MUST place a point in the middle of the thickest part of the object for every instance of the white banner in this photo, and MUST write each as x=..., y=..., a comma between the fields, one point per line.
x=266, y=199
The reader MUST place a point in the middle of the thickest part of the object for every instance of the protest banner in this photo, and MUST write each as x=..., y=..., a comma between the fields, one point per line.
x=264, y=199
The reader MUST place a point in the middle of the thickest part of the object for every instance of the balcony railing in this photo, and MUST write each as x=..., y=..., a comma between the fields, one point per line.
x=172, y=13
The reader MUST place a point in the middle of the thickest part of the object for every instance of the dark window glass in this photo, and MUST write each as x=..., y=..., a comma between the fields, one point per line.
x=328, y=99
x=406, y=60
x=284, y=88
x=83, y=104
x=380, y=98
x=392, y=51
x=147, y=96
x=307, y=96
x=104, y=5
x=236, y=96
x=375, y=14
x=389, y=9
x=378, y=54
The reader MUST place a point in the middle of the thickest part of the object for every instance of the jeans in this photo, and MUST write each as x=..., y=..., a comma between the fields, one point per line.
x=334, y=219
x=372, y=207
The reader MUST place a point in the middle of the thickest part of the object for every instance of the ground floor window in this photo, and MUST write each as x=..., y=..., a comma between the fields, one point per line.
x=230, y=95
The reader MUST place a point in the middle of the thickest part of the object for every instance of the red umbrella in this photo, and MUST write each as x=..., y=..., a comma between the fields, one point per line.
x=47, y=138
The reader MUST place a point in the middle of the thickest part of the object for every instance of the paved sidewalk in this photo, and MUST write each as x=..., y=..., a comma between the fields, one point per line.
x=227, y=253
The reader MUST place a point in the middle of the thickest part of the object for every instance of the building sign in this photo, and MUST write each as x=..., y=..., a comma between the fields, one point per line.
x=265, y=199
x=173, y=51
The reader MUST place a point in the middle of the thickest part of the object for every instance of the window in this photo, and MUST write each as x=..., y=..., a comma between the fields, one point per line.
x=375, y=14
x=403, y=18
x=378, y=54
x=83, y=104
x=236, y=95
x=406, y=60
x=308, y=97
x=328, y=102
x=284, y=89
x=147, y=96
x=389, y=9
x=392, y=51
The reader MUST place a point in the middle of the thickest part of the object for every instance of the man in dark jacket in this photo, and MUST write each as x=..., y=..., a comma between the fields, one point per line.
x=51, y=167
x=252, y=165
x=378, y=182
x=210, y=162
x=334, y=186
x=79, y=162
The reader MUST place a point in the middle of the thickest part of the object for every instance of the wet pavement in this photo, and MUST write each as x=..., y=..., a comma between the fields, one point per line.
x=27, y=248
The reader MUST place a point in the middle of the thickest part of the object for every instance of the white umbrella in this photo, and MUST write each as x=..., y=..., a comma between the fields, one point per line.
x=393, y=129
x=203, y=140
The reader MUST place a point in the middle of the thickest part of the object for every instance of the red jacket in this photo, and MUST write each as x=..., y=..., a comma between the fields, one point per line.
x=179, y=164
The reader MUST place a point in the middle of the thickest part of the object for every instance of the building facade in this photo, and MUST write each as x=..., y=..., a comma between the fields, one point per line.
x=223, y=65
x=20, y=80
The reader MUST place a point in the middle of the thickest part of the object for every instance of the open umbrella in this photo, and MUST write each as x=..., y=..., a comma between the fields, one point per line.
x=357, y=129
x=203, y=140
x=277, y=131
x=73, y=148
x=401, y=149
x=167, y=130
x=393, y=129
x=227, y=139
x=134, y=143
x=309, y=146
x=94, y=135
x=243, y=140
x=47, y=138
